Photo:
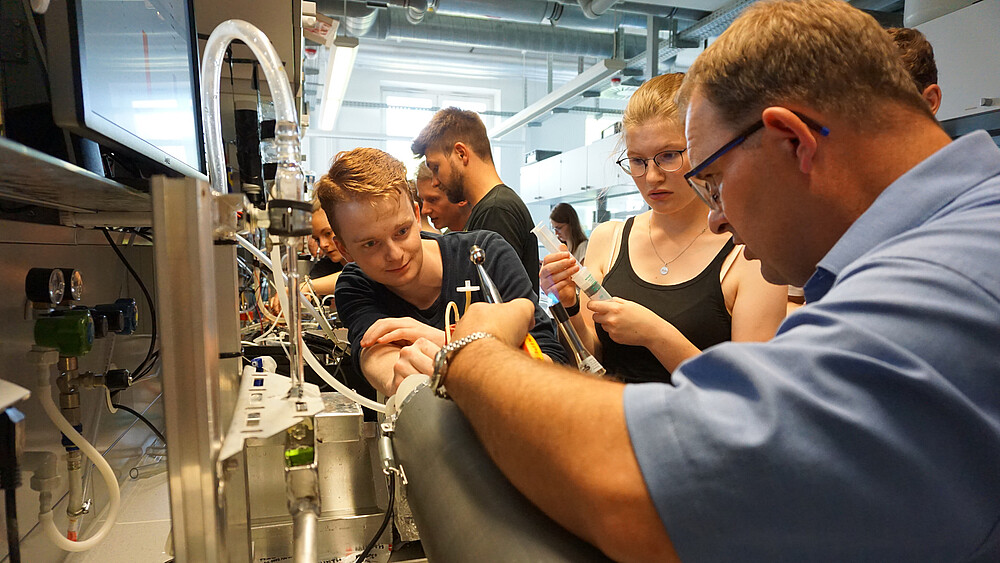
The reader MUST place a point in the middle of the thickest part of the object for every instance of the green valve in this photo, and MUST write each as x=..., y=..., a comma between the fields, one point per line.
x=304, y=455
x=72, y=334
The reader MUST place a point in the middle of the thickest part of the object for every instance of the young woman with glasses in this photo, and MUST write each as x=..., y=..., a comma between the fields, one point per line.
x=678, y=288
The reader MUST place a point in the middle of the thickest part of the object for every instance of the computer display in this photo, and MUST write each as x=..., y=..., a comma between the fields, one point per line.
x=126, y=75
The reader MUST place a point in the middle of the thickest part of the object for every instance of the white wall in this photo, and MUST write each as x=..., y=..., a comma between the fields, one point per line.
x=365, y=127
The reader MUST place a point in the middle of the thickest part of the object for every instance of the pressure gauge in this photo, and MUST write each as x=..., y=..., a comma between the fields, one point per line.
x=74, y=284
x=45, y=285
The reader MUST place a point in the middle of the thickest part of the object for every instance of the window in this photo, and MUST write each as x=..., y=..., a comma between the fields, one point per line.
x=410, y=110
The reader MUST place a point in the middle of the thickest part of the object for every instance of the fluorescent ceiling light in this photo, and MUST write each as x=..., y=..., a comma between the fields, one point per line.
x=338, y=73
x=583, y=81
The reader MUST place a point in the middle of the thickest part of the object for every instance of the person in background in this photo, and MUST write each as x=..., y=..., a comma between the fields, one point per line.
x=394, y=295
x=331, y=261
x=444, y=214
x=457, y=150
x=566, y=225
x=425, y=223
x=678, y=289
x=868, y=429
x=918, y=58
x=324, y=272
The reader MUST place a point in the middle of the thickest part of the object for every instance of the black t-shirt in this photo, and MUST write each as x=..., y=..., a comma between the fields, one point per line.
x=324, y=267
x=362, y=301
x=502, y=211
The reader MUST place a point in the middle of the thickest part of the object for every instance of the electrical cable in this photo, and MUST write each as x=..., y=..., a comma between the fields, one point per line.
x=385, y=521
x=13, y=536
x=149, y=301
x=143, y=420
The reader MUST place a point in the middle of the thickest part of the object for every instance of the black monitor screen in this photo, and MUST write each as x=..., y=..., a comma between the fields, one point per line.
x=136, y=78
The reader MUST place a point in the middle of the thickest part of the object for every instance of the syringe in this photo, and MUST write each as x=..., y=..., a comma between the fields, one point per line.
x=582, y=278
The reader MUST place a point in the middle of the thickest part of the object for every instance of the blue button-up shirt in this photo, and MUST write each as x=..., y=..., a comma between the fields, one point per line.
x=869, y=427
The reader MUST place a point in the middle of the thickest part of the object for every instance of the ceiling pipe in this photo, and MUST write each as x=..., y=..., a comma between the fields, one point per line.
x=475, y=32
x=594, y=8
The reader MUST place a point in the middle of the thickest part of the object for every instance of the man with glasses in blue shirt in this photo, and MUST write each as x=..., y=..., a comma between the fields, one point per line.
x=869, y=427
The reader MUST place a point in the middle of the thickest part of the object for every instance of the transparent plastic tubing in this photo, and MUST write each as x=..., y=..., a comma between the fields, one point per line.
x=259, y=254
x=211, y=82
x=279, y=281
x=44, y=359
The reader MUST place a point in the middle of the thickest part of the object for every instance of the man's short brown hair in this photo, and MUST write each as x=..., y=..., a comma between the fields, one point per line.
x=360, y=174
x=918, y=55
x=823, y=54
x=450, y=126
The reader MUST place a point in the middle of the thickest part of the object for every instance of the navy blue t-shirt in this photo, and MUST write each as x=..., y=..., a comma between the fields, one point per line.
x=362, y=301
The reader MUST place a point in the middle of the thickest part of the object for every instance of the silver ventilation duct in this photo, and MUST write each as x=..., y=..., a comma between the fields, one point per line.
x=474, y=32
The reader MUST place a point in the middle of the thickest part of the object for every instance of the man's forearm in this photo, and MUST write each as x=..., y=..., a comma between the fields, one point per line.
x=377, y=366
x=571, y=458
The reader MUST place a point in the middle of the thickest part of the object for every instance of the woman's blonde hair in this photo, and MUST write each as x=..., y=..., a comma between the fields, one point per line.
x=655, y=99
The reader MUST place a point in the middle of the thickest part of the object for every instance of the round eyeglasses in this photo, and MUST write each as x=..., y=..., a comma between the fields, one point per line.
x=668, y=161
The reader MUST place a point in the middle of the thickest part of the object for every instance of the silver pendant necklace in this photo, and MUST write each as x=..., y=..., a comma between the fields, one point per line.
x=665, y=269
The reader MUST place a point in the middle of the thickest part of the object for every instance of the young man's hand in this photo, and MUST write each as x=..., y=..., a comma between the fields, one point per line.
x=415, y=358
x=403, y=330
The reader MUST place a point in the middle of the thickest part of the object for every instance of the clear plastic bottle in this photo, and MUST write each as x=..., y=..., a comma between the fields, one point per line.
x=582, y=278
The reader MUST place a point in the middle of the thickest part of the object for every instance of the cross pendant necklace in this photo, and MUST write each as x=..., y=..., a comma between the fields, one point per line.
x=666, y=263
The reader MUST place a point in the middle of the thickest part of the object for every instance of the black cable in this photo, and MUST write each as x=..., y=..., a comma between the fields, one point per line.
x=139, y=233
x=385, y=521
x=13, y=535
x=143, y=419
x=149, y=299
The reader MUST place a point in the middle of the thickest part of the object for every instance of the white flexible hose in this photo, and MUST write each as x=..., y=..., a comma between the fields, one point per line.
x=279, y=282
x=323, y=322
x=45, y=518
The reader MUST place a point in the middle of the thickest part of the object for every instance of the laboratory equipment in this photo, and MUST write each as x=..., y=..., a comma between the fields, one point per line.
x=582, y=278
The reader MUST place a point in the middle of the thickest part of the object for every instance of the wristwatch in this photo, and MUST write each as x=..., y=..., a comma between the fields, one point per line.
x=444, y=355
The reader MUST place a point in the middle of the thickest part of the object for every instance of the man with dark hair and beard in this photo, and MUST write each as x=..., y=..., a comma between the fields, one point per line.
x=457, y=151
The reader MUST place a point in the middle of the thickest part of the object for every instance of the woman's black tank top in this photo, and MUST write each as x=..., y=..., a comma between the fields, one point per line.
x=696, y=307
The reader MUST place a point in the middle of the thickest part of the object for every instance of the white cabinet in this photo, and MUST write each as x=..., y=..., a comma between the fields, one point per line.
x=529, y=183
x=966, y=44
x=574, y=177
x=549, y=177
x=602, y=172
x=585, y=169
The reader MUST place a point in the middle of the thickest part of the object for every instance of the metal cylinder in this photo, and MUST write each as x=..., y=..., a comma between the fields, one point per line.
x=304, y=533
x=465, y=508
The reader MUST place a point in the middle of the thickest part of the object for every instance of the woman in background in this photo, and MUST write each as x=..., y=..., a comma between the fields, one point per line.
x=678, y=287
x=566, y=224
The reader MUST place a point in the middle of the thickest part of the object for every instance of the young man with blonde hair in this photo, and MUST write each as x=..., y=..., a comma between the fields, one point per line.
x=435, y=203
x=868, y=429
x=393, y=295
x=457, y=151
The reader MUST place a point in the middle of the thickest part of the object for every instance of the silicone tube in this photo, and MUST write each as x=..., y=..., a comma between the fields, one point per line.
x=44, y=359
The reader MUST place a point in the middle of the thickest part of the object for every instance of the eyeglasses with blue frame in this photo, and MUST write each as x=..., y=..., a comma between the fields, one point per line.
x=709, y=193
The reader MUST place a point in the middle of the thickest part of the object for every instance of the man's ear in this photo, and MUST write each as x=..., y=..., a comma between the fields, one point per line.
x=932, y=95
x=463, y=203
x=793, y=132
x=462, y=152
x=343, y=249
